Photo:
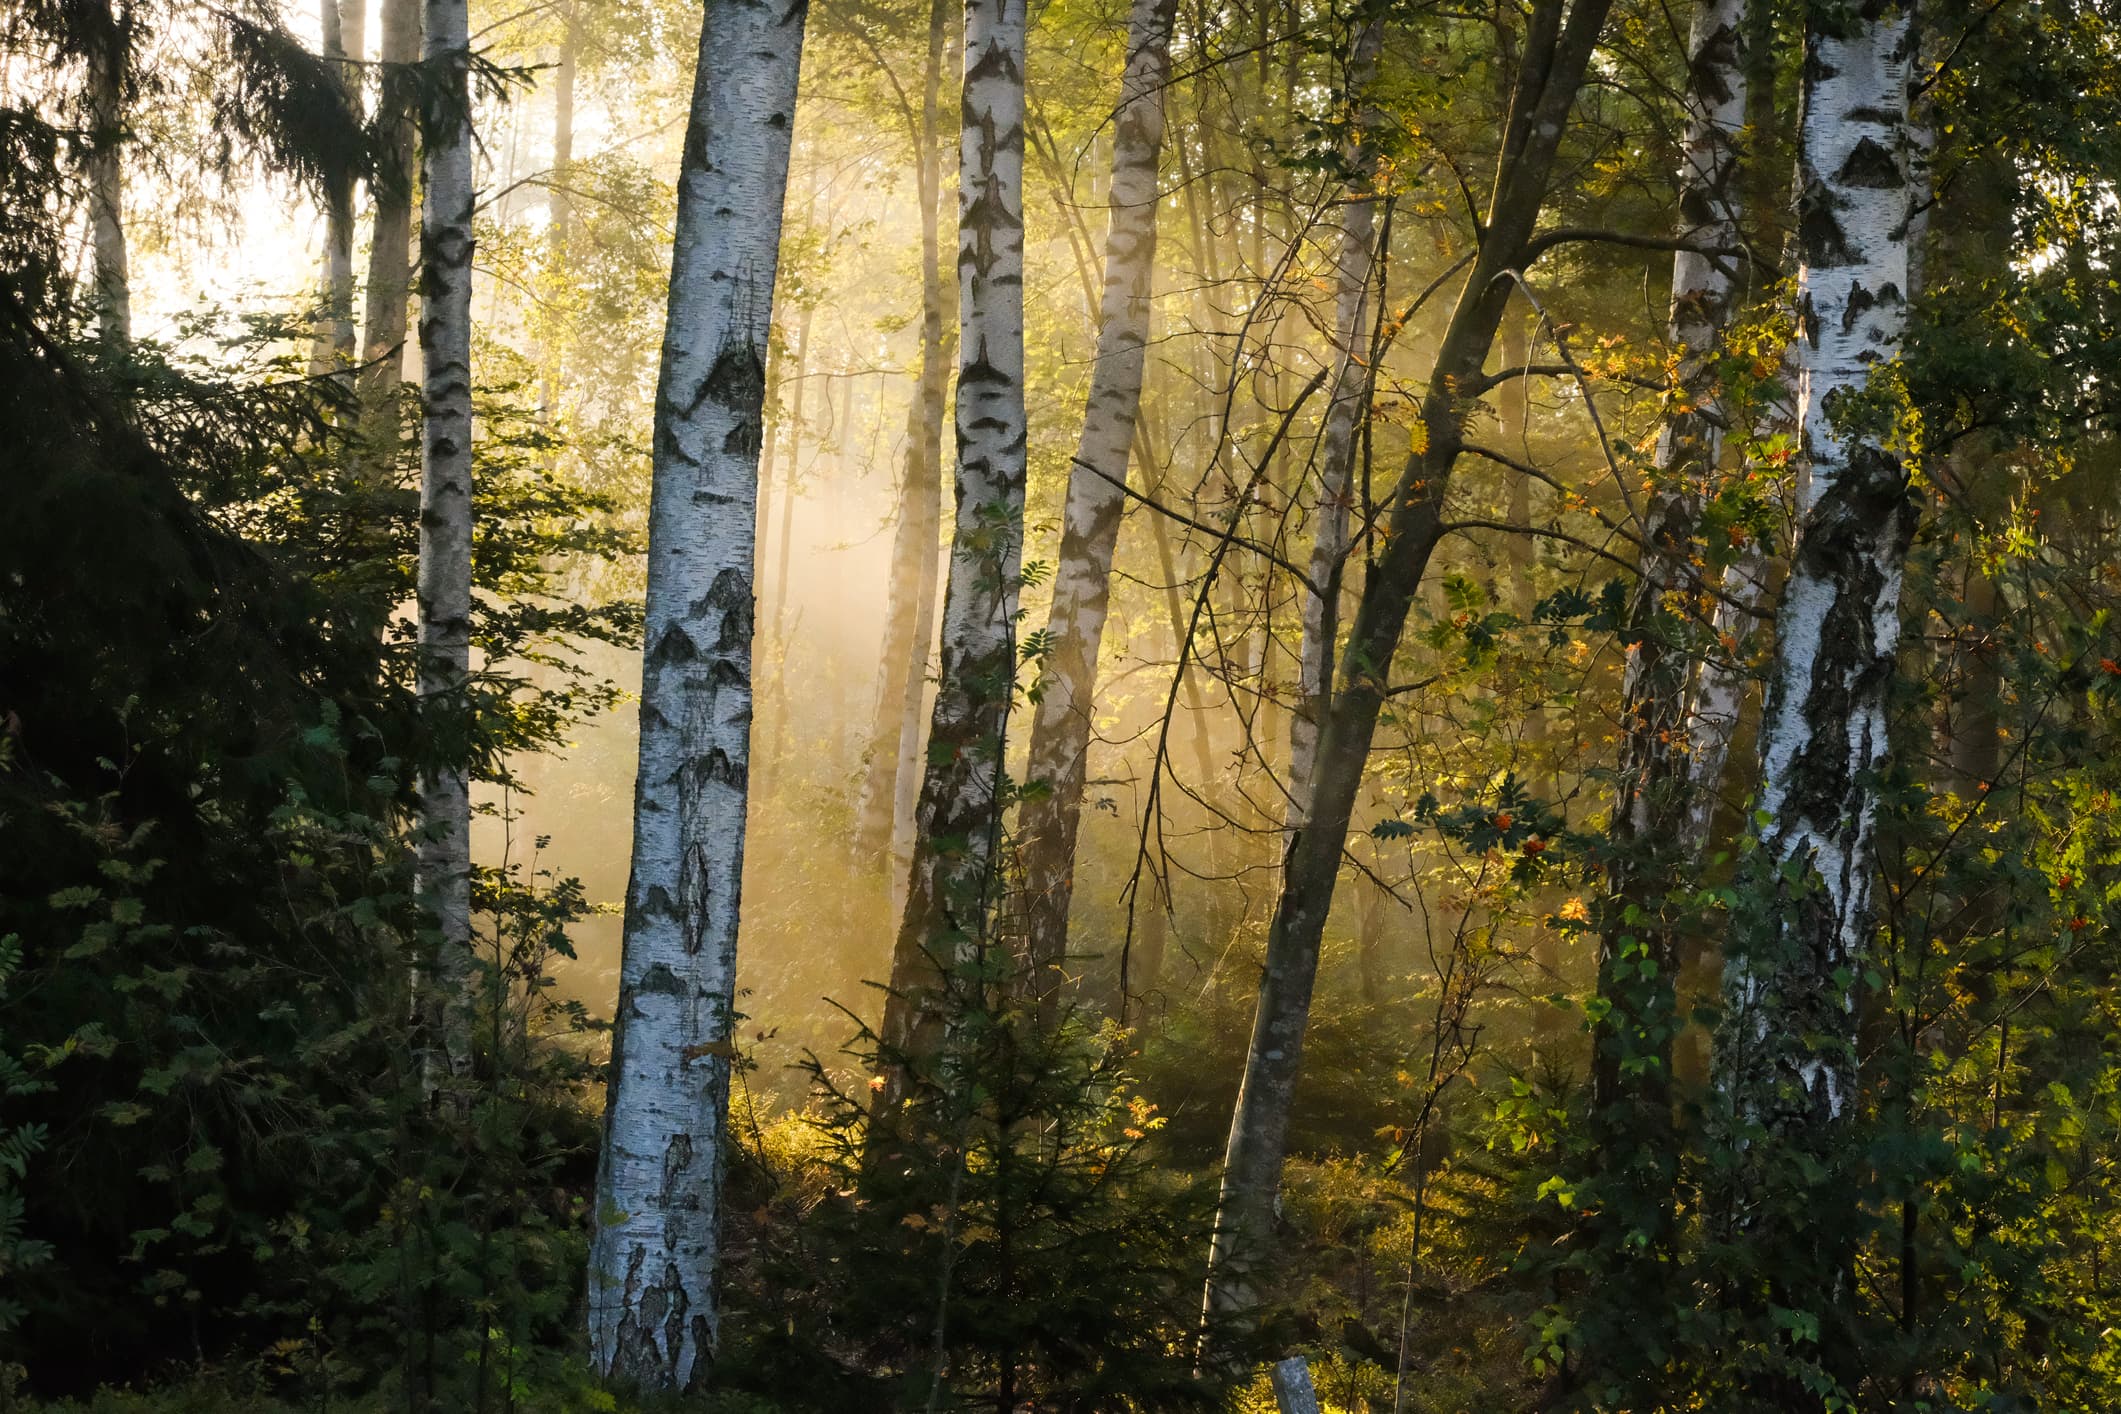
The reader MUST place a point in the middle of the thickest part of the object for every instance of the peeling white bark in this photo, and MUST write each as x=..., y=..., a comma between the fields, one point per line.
x=652, y=1305
x=1786, y=1047
x=1075, y=626
x=444, y=578
x=959, y=813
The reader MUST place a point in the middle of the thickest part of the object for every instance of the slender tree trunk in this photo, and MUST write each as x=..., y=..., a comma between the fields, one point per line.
x=1349, y=410
x=390, y=249
x=958, y=819
x=444, y=581
x=1556, y=53
x=904, y=666
x=333, y=346
x=106, y=182
x=1785, y=1062
x=559, y=193
x=1075, y=626
x=652, y=1299
x=1651, y=854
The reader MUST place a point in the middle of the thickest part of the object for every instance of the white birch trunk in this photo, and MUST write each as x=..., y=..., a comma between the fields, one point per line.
x=444, y=578
x=959, y=814
x=652, y=1305
x=909, y=615
x=1719, y=691
x=1786, y=1046
x=333, y=345
x=1631, y=1064
x=1354, y=259
x=106, y=189
x=390, y=248
x=1090, y=520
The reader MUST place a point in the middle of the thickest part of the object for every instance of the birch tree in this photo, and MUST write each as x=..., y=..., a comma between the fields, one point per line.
x=652, y=1299
x=108, y=57
x=909, y=616
x=1558, y=47
x=1651, y=851
x=1785, y=1061
x=444, y=575
x=390, y=243
x=958, y=817
x=345, y=38
x=1354, y=259
x=1090, y=520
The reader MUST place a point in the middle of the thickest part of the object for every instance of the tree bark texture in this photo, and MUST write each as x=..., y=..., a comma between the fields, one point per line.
x=444, y=573
x=652, y=1300
x=958, y=818
x=1557, y=49
x=1785, y=1064
x=909, y=616
x=1062, y=724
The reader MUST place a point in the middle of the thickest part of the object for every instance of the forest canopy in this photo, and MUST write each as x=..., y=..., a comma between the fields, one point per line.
x=1352, y=705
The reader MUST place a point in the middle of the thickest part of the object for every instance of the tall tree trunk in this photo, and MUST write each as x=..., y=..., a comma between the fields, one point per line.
x=444, y=579
x=903, y=667
x=1651, y=854
x=1557, y=50
x=1082, y=579
x=344, y=23
x=106, y=181
x=390, y=249
x=958, y=819
x=652, y=1300
x=1785, y=1063
x=1349, y=410
x=559, y=192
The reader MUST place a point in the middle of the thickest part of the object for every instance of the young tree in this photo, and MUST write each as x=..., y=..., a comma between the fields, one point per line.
x=390, y=247
x=1075, y=625
x=909, y=616
x=345, y=25
x=1785, y=1062
x=652, y=1299
x=109, y=58
x=958, y=818
x=1558, y=46
x=1354, y=260
x=444, y=587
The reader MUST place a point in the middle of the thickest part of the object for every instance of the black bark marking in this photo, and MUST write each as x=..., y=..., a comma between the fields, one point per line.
x=1871, y=164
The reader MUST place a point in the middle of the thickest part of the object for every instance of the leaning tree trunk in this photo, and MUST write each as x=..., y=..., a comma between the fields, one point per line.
x=106, y=182
x=333, y=346
x=390, y=248
x=1082, y=577
x=908, y=630
x=1557, y=50
x=1353, y=261
x=958, y=819
x=1785, y=1062
x=444, y=580
x=652, y=1307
